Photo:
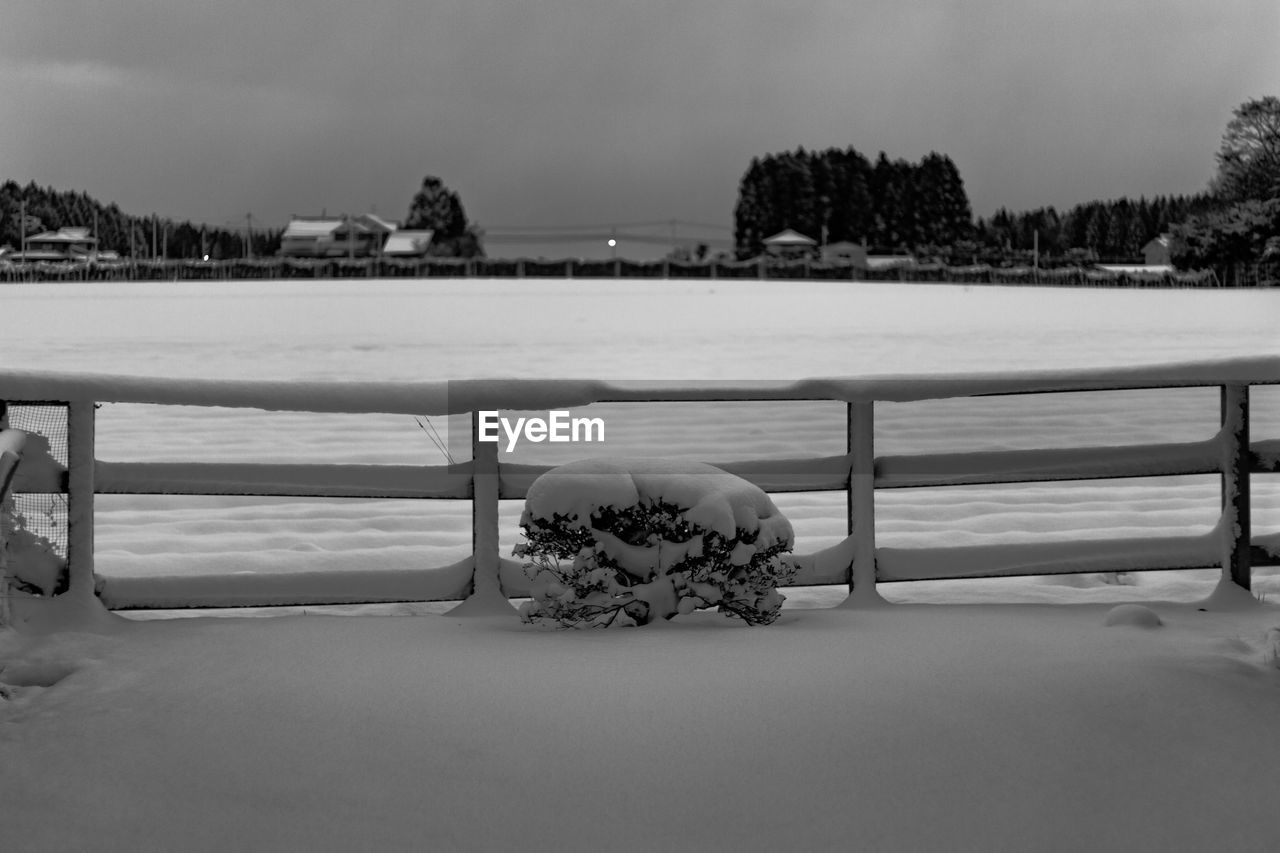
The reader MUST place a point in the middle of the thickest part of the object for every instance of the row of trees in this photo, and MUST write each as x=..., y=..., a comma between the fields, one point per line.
x=434, y=207
x=893, y=205
x=47, y=209
x=837, y=195
x=897, y=206
x=1115, y=230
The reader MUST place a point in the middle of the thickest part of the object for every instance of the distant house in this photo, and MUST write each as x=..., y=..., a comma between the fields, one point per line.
x=847, y=252
x=885, y=262
x=1158, y=252
x=309, y=237
x=844, y=251
x=328, y=237
x=790, y=244
x=407, y=244
x=363, y=235
x=65, y=244
x=1135, y=269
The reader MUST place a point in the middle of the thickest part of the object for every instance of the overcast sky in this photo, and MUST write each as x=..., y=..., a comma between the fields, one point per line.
x=569, y=112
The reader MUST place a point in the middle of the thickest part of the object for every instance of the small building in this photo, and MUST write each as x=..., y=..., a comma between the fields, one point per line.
x=330, y=237
x=1158, y=252
x=790, y=244
x=65, y=244
x=309, y=237
x=362, y=236
x=845, y=252
x=886, y=262
x=1135, y=269
x=407, y=244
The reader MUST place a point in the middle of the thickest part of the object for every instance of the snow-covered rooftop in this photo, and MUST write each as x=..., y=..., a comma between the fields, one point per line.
x=310, y=228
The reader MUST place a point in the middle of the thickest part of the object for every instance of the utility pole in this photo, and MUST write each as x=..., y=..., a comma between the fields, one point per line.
x=22, y=226
x=248, y=236
x=155, y=227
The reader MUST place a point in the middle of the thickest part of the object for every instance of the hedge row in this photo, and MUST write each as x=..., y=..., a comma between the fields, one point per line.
x=286, y=268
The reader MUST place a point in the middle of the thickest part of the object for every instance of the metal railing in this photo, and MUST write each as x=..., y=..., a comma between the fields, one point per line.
x=485, y=479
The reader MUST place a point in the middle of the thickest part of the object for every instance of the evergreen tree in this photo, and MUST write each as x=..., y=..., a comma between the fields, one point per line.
x=750, y=211
x=440, y=209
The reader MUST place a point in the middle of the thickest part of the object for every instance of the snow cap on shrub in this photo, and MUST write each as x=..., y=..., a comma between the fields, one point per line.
x=712, y=497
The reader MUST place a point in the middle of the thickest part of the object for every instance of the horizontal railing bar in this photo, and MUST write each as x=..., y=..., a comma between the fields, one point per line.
x=440, y=397
x=1027, y=466
x=1266, y=455
x=284, y=480
x=1147, y=553
x=448, y=583
x=776, y=476
x=261, y=589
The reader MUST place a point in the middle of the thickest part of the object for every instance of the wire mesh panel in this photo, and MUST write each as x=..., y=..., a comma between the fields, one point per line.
x=42, y=515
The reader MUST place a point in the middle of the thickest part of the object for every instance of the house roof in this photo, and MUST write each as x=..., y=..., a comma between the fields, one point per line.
x=407, y=242
x=376, y=222
x=788, y=237
x=63, y=235
x=307, y=228
x=880, y=262
x=1163, y=241
x=1154, y=269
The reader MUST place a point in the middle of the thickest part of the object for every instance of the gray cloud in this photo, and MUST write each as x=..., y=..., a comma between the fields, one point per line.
x=572, y=111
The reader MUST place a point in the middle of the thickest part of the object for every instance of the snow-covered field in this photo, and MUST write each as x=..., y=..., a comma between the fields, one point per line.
x=612, y=329
x=978, y=726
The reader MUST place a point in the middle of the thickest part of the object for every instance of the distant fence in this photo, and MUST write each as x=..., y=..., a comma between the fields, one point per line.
x=484, y=480
x=759, y=269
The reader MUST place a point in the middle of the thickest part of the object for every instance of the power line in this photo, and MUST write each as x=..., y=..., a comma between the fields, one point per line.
x=604, y=226
x=599, y=236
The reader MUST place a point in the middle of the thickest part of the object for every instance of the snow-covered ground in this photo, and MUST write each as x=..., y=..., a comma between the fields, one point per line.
x=975, y=726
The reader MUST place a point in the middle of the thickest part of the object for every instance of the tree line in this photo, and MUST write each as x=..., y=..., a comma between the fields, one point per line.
x=1115, y=230
x=894, y=206
x=48, y=209
x=434, y=207
x=922, y=208
x=839, y=195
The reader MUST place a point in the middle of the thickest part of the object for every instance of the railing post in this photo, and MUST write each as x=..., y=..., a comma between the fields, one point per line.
x=80, y=492
x=861, y=503
x=486, y=585
x=1236, y=462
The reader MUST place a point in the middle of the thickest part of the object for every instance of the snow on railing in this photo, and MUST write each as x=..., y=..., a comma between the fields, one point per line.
x=485, y=480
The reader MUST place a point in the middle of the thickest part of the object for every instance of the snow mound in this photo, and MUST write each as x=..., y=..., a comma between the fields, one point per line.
x=1133, y=615
x=715, y=499
x=1271, y=647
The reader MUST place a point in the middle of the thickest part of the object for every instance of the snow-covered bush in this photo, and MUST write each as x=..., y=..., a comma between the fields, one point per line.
x=619, y=541
x=29, y=562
